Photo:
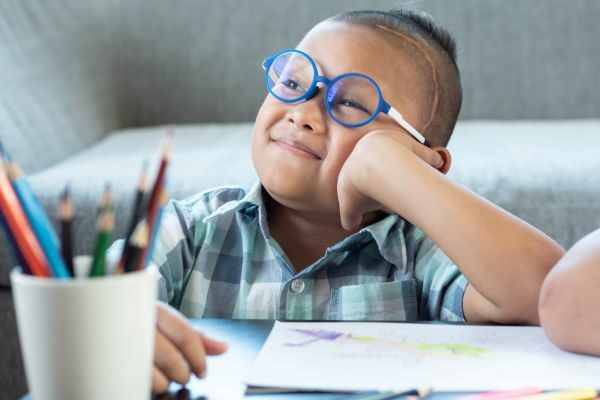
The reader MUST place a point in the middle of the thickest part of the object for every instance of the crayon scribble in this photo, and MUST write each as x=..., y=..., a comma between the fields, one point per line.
x=432, y=349
x=317, y=335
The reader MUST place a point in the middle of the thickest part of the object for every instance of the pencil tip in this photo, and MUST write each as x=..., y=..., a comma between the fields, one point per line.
x=139, y=238
x=66, y=193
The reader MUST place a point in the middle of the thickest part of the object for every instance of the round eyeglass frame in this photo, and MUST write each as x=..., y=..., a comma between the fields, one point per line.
x=382, y=105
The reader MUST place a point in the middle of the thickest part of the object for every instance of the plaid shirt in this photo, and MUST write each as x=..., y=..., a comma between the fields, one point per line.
x=218, y=260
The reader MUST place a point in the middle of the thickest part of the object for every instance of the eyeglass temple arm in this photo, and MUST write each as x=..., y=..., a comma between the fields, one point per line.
x=400, y=119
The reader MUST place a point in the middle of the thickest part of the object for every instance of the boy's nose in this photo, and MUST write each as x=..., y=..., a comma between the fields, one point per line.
x=309, y=114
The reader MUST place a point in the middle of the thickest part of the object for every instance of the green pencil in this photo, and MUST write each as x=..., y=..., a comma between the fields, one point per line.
x=106, y=223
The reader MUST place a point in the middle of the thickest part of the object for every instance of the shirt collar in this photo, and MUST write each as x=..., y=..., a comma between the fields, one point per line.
x=387, y=232
x=250, y=204
x=252, y=199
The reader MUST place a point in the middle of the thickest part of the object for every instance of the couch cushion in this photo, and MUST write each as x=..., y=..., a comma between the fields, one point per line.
x=544, y=172
x=59, y=93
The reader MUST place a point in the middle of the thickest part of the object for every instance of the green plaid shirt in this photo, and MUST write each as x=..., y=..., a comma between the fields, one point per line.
x=218, y=260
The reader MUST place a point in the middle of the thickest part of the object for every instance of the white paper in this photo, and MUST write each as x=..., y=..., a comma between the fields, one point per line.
x=351, y=356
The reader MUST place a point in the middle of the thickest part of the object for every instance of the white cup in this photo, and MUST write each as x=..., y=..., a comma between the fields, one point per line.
x=90, y=338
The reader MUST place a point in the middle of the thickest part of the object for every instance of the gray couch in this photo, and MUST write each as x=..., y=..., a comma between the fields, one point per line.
x=87, y=88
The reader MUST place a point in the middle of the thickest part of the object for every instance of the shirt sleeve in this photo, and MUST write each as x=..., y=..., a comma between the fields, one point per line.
x=177, y=244
x=442, y=285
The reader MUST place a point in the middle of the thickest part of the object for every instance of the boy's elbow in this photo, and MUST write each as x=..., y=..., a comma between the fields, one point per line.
x=568, y=302
x=557, y=316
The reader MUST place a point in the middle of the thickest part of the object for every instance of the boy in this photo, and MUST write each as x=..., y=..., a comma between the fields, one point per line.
x=351, y=136
x=569, y=301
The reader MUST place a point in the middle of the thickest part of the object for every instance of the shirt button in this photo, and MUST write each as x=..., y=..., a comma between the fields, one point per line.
x=297, y=286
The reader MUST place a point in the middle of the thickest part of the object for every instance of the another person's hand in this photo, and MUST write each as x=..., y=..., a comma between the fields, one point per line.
x=359, y=187
x=179, y=349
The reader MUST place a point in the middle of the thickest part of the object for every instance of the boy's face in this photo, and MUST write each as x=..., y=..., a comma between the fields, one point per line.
x=298, y=150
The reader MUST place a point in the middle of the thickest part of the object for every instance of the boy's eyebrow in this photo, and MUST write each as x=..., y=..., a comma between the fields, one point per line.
x=319, y=66
x=419, y=45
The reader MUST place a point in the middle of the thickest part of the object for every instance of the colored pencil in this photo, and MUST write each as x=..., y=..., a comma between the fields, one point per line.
x=577, y=394
x=389, y=394
x=19, y=227
x=15, y=173
x=157, y=187
x=159, y=181
x=38, y=220
x=14, y=248
x=164, y=197
x=501, y=395
x=66, y=212
x=105, y=200
x=105, y=226
x=139, y=242
x=136, y=215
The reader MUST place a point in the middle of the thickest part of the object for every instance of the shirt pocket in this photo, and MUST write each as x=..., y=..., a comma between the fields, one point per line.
x=389, y=301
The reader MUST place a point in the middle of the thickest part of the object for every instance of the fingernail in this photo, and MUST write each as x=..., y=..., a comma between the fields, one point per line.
x=203, y=374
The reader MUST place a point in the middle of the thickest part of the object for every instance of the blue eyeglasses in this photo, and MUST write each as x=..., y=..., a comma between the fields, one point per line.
x=352, y=99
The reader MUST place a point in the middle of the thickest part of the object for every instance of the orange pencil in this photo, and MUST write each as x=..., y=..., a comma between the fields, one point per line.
x=21, y=231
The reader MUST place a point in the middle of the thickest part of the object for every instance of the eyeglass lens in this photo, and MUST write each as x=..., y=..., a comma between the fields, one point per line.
x=351, y=100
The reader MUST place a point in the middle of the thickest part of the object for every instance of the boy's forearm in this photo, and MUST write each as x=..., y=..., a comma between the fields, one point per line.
x=504, y=258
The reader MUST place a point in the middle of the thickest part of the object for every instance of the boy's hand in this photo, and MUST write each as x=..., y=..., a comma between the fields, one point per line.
x=359, y=188
x=179, y=349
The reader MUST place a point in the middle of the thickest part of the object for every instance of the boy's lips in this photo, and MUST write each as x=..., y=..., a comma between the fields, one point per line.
x=297, y=147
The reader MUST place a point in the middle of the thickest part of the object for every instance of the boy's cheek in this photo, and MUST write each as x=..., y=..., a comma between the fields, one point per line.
x=270, y=110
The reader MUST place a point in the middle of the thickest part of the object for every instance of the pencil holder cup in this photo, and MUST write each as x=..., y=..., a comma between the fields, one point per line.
x=90, y=338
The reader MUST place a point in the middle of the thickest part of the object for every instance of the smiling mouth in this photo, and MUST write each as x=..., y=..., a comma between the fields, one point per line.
x=296, y=148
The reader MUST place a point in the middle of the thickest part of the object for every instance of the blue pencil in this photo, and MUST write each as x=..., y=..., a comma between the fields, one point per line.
x=39, y=222
x=13, y=169
x=155, y=228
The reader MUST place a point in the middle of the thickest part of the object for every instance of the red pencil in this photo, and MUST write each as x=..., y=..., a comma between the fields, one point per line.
x=157, y=189
x=21, y=231
x=159, y=181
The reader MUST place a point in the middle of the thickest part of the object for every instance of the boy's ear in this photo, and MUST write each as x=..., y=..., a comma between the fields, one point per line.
x=445, y=153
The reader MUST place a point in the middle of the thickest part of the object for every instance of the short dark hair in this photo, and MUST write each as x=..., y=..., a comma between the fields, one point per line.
x=447, y=87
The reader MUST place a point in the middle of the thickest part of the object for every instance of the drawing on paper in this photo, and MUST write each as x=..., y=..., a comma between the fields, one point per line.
x=377, y=347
